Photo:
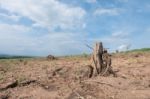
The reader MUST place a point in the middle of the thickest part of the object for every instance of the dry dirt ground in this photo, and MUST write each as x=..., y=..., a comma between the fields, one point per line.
x=65, y=78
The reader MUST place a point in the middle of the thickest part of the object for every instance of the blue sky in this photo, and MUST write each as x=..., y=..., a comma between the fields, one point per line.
x=62, y=27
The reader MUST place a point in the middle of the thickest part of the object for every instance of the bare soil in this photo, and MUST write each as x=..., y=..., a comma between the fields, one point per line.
x=65, y=78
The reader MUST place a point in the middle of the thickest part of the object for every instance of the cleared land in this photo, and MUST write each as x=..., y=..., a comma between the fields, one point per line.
x=64, y=78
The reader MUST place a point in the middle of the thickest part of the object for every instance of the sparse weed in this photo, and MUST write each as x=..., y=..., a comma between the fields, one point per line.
x=85, y=55
x=25, y=62
x=1, y=76
x=20, y=78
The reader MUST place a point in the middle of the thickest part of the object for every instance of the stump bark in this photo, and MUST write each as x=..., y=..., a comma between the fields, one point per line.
x=97, y=61
x=101, y=60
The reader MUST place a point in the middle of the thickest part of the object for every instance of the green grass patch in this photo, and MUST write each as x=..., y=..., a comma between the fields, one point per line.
x=139, y=50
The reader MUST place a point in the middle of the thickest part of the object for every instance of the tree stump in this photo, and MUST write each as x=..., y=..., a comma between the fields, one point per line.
x=101, y=60
x=50, y=57
x=97, y=61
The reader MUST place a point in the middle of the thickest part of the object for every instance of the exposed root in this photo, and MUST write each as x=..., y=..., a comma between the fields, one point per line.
x=103, y=83
x=27, y=82
x=8, y=85
x=15, y=83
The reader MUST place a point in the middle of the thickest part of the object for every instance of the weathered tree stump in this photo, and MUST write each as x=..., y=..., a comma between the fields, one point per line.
x=101, y=60
x=96, y=58
x=50, y=57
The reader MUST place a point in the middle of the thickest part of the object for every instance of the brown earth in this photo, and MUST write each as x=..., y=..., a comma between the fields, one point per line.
x=66, y=78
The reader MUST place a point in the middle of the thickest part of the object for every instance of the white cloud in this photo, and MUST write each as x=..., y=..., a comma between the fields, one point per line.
x=124, y=47
x=118, y=40
x=47, y=13
x=11, y=37
x=117, y=37
x=107, y=11
x=7, y=30
x=120, y=34
x=11, y=17
x=14, y=40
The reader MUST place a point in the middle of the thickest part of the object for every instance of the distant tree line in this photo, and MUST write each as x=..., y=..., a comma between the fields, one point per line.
x=14, y=57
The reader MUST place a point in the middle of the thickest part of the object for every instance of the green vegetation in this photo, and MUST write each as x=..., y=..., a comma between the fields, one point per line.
x=83, y=55
x=13, y=57
x=2, y=76
x=140, y=50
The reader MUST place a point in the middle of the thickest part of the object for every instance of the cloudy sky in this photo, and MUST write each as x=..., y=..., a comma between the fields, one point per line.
x=63, y=27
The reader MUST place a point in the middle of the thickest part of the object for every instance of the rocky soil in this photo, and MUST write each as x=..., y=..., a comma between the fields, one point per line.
x=66, y=78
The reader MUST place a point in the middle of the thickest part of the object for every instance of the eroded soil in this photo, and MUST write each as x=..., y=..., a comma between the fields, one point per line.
x=36, y=79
